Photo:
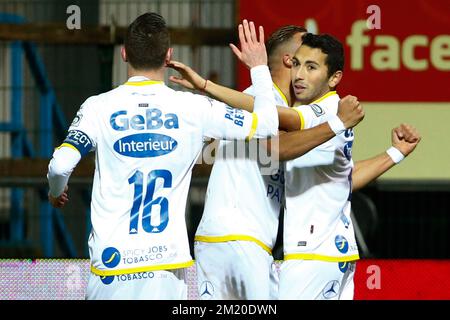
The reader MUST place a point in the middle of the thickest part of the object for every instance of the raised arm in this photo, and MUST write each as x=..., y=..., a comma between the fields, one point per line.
x=404, y=140
x=288, y=118
x=264, y=118
x=253, y=52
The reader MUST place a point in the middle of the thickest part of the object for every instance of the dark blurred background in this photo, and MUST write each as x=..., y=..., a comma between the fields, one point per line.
x=47, y=71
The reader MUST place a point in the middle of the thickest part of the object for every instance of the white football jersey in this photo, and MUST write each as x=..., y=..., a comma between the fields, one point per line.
x=317, y=221
x=241, y=203
x=147, y=138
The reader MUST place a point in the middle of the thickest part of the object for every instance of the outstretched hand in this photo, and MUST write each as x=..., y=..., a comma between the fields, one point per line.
x=253, y=51
x=61, y=200
x=405, y=138
x=189, y=78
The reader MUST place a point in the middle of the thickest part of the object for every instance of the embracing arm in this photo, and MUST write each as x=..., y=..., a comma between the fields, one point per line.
x=253, y=53
x=289, y=119
x=291, y=145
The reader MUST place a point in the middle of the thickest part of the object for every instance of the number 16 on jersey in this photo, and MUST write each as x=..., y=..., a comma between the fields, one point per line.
x=148, y=204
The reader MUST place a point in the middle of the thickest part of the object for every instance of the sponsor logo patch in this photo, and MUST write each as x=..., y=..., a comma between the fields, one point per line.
x=318, y=111
x=144, y=145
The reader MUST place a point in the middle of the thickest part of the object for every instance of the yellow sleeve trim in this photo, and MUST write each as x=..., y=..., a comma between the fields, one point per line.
x=143, y=83
x=233, y=237
x=313, y=256
x=67, y=145
x=254, y=126
x=302, y=119
x=105, y=273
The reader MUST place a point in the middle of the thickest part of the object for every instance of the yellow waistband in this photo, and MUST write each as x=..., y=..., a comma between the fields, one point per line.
x=233, y=237
x=314, y=256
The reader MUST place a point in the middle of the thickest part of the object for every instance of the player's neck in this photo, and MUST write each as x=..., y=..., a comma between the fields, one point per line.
x=156, y=75
x=283, y=82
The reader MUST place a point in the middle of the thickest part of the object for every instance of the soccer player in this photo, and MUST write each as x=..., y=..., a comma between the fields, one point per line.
x=239, y=225
x=320, y=249
x=146, y=138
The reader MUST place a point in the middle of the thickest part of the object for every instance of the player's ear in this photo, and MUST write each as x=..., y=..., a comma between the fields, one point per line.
x=335, y=79
x=287, y=61
x=169, y=54
x=123, y=53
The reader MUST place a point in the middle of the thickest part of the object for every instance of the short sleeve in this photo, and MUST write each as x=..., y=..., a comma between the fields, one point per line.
x=311, y=115
x=220, y=121
x=82, y=134
x=225, y=122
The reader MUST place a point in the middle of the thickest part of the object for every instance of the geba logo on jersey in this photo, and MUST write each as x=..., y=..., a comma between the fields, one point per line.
x=144, y=145
x=152, y=120
x=341, y=243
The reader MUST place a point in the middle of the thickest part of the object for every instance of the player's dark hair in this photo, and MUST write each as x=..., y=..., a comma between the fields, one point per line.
x=281, y=36
x=147, y=41
x=329, y=45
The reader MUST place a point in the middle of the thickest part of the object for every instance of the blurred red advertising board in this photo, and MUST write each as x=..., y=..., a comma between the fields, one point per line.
x=402, y=279
x=404, y=56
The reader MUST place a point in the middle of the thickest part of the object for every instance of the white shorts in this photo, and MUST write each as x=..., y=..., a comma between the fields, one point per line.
x=235, y=270
x=151, y=285
x=316, y=280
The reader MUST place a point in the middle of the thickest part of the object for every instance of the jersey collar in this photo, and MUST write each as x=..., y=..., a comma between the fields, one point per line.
x=141, y=81
x=329, y=94
x=281, y=93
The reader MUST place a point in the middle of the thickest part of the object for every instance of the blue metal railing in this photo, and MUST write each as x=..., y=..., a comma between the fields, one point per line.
x=51, y=119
